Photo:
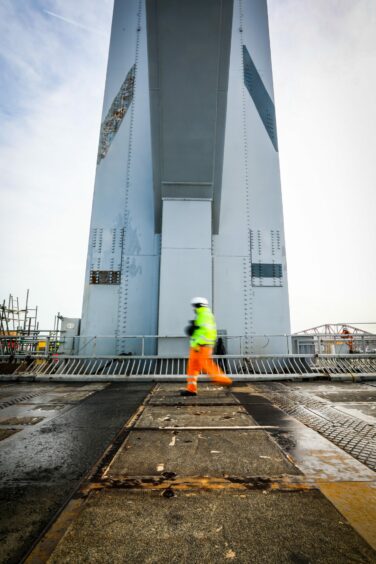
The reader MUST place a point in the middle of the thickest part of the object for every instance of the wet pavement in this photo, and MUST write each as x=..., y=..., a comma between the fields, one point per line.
x=259, y=473
x=321, y=408
x=43, y=463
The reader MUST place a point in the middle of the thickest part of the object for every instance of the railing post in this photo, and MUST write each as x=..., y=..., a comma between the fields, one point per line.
x=143, y=346
x=288, y=344
x=95, y=346
x=47, y=349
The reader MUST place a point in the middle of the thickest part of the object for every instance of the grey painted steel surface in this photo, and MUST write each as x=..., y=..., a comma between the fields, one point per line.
x=251, y=218
x=122, y=236
x=189, y=48
x=238, y=260
x=186, y=267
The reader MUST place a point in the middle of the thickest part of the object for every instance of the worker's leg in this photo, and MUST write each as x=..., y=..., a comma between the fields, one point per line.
x=193, y=370
x=212, y=369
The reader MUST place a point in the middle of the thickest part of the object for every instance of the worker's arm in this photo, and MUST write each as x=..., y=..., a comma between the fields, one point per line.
x=190, y=328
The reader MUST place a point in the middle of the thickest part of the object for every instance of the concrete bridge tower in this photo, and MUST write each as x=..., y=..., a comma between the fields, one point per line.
x=187, y=197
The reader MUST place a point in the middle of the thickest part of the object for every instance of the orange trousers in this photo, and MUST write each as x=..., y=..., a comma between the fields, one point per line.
x=201, y=361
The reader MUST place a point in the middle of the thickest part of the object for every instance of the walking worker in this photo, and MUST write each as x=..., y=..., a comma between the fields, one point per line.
x=203, y=335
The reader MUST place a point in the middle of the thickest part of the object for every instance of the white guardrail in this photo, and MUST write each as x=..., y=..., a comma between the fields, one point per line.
x=252, y=367
x=49, y=355
x=58, y=343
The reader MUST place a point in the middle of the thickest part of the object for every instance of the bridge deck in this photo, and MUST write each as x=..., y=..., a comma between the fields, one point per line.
x=264, y=472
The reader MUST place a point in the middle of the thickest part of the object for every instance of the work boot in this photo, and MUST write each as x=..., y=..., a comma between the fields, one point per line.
x=187, y=393
x=224, y=381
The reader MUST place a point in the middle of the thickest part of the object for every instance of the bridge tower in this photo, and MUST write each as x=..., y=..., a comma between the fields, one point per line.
x=187, y=197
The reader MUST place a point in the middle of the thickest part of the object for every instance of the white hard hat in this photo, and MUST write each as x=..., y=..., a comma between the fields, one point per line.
x=199, y=301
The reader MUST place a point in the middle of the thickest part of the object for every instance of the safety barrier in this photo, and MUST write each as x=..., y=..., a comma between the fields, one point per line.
x=240, y=367
x=47, y=343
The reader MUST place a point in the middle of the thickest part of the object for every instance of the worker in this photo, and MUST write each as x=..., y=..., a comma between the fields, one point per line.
x=203, y=335
x=345, y=334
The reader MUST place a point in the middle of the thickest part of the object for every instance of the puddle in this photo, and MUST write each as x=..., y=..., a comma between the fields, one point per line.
x=50, y=407
x=20, y=420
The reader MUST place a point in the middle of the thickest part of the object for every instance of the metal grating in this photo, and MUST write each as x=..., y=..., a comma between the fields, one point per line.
x=104, y=277
x=265, y=270
x=116, y=113
x=353, y=435
x=264, y=104
x=266, y=258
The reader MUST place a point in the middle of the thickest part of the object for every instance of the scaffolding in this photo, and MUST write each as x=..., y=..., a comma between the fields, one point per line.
x=335, y=338
x=19, y=325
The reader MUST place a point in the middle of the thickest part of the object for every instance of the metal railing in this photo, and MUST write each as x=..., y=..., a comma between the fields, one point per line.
x=47, y=343
x=52, y=343
x=253, y=367
x=37, y=342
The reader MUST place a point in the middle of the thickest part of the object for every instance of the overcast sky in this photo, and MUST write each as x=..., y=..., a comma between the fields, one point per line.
x=53, y=64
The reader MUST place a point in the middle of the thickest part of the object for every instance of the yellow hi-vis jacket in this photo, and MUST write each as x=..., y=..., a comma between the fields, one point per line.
x=205, y=333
